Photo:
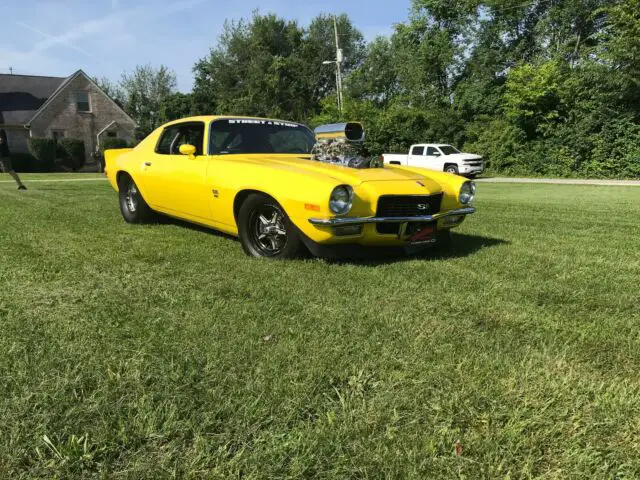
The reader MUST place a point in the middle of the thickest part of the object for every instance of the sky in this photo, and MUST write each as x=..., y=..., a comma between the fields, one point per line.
x=106, y=37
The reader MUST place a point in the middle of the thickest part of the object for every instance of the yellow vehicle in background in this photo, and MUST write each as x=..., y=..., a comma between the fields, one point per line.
x=256, y=179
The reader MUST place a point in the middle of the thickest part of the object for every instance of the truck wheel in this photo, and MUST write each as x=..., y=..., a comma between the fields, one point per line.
x=133, y=207
x=451, y=169
x=265, y=229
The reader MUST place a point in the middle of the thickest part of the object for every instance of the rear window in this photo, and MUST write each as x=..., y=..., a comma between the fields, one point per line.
x=418, y=151
x=235, y=136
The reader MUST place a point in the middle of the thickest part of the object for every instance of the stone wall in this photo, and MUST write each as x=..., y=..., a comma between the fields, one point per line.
x=62, y=116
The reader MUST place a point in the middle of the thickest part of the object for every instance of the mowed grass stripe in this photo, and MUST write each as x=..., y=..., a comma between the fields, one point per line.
x=162, y=350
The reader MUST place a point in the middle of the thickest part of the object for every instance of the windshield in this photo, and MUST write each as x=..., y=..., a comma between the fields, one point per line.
x=259, y=136
x=448, y=150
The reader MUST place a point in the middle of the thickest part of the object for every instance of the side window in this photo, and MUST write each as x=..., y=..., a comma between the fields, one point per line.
x=433, y=151
x=169, y=136
x=418, y=151
x=176, y=135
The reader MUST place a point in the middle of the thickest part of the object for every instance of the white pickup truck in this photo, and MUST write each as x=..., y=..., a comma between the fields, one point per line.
x=440, y=157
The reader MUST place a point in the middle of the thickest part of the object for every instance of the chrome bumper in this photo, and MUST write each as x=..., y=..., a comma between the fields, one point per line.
x=339, y=221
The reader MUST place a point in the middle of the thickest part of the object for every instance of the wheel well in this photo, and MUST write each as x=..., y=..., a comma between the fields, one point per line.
x=395, y=162
x=120, y=175
x=450, y=165
x=241, y=197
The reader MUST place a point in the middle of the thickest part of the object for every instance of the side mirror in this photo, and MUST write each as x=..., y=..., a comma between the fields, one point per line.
x=437, y=154
x=187, y=149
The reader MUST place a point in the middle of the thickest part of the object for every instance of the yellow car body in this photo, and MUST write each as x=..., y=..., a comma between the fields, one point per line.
x=209, y=188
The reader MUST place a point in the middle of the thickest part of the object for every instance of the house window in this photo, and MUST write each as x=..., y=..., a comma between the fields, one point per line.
x=82, y=102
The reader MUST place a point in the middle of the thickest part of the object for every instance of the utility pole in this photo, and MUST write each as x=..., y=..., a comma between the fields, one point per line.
x=338, y=63
x=339, y=59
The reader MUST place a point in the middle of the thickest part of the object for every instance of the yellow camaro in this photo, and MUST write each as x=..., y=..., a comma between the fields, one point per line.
x=256, y=179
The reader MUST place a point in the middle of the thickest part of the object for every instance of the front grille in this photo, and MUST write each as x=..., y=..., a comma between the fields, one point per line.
x=408, y=205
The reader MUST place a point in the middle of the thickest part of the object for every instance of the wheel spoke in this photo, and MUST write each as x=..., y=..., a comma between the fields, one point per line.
x=269, y=232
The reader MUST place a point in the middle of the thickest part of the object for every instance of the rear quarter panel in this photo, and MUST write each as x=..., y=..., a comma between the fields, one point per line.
x=111, y=164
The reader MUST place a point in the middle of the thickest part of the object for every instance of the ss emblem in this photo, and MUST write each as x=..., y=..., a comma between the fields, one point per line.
x=423, y=206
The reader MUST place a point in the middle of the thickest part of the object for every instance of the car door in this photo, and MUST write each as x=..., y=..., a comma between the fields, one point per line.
x=416, y=156
x=434, y=159
x=176, y=183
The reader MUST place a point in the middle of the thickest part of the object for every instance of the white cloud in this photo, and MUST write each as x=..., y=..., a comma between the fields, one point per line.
x=105, y=25
x=52, y=38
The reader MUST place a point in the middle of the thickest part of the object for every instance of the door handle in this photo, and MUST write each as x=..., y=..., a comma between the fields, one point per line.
x=147, y=164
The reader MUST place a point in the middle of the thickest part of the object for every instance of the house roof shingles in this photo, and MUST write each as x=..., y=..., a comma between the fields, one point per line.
x=22, y=95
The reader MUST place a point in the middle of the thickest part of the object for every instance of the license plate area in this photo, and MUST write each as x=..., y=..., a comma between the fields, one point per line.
x=421, y=232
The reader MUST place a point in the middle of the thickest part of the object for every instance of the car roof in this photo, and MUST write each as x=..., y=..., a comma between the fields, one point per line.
x=432, y=144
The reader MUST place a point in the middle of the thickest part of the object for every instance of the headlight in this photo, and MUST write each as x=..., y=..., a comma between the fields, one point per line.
x=467, y=192
x=341, y=199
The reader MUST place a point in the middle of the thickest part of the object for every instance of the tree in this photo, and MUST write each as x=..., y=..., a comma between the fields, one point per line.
x=145, y=89
x=319, y=46
x=272, y=67
x=376, y=78
x=175, y=106
x=253, y=70
x=112, y=89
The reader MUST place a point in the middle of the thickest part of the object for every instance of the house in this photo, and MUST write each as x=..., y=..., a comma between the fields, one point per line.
x=55, y=107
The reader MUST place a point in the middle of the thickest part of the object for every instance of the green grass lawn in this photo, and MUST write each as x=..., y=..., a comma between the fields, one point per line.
x=162, y=351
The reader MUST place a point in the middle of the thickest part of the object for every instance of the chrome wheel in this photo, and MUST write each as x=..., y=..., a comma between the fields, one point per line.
x=132, y=197
x=269, y=231
x=452, y=170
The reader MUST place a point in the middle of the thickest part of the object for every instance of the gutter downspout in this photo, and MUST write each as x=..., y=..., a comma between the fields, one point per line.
x=101, y=132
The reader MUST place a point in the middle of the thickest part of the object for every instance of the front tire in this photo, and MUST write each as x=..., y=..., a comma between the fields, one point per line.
x=265, y=229
x=132, y=206
x=451, y=169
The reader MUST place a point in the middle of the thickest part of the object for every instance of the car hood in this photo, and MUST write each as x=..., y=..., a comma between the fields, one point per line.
x=459, y=157
x=347, y=175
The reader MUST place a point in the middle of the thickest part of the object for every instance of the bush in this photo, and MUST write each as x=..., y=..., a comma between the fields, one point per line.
x=72, y=152
x=112, y=143
x=23, y=162
x=44, y=151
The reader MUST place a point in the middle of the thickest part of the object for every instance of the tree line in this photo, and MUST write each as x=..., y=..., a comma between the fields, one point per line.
x=545, y=87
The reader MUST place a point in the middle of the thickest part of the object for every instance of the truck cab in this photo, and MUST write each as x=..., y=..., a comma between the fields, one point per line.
x=439, y=157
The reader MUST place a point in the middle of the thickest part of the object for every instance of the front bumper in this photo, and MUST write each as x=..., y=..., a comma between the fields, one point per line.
x=471, y=169
x=342, y=221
